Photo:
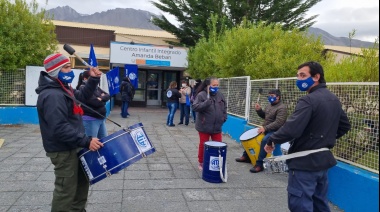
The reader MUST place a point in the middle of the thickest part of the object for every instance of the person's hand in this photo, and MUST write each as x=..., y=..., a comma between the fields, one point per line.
x=269, y=149
x=100, y=99
x=257, y=106
x=95, y=72
x=95, y=144
x=261, y=130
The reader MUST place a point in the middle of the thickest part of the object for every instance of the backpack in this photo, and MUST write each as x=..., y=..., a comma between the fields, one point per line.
x=131, y=90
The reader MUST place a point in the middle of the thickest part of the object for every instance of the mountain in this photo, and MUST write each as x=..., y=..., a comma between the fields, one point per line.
x=329, y=39
x=127, y=17
x=133, y=18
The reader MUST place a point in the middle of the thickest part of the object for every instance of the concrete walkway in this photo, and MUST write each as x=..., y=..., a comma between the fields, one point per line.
x=167, y=180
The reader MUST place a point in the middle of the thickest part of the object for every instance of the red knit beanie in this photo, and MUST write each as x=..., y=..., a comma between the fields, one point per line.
x=54, y=62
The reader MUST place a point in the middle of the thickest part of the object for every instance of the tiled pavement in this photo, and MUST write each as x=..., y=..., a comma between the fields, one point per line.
x=167, y=180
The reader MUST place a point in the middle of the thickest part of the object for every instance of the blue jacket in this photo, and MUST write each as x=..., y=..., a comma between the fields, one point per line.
x=317, y=122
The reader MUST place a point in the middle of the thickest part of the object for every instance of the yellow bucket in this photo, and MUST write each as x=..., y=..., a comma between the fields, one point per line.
x=251, y=141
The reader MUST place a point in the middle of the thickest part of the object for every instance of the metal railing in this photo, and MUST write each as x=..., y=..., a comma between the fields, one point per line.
x=359, y=147
x=360, y=101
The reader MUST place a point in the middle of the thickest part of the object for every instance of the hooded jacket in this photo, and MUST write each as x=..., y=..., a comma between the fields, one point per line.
x=317, y=122
x=61, y=129
x=127, y=90
x=96, y=104
x=211, y=113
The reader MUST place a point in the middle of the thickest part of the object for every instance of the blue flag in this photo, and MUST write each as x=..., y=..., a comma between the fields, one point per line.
x=113, y=81
x=92, y=58
x=131, y=71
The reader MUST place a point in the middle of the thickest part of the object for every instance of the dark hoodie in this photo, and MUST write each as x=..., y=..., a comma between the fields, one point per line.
x=61, y=129
x=127, y=90
x=211, y=112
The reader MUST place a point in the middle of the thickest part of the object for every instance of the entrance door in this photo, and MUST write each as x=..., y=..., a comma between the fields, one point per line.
x=154, y=80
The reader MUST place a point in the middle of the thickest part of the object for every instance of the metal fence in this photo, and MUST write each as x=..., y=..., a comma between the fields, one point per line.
x=12, y=87
x=360, y=101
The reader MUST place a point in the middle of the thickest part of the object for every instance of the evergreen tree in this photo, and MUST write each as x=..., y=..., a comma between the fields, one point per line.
x=194, y=15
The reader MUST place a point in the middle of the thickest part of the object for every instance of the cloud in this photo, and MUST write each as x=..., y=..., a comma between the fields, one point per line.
x=338, y=17
x=340, y=22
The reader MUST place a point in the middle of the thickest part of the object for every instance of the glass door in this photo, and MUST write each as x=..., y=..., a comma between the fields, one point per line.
x=153, y=88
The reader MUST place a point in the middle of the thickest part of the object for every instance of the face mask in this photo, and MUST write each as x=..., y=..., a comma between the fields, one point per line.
x=304, y=85
x=272, y=99
x=183, y=85
x=214, y=89
x=66, y=77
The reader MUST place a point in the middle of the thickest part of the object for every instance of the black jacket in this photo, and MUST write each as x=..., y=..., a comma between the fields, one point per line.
x=61, y=129
x=127, y=91
x=211, y=113
x=96, y=104
x=317, y=122
x=173, y=95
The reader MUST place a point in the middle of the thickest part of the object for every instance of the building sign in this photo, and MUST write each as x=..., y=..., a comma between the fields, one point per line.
x=148, y=55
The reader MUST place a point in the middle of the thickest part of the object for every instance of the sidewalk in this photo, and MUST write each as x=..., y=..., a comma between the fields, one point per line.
x=167, y=180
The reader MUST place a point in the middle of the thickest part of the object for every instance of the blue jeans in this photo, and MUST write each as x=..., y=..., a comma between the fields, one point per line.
x=95, y=128
x=263, y=153
x=193, y=113
x=172, y=109
x=185, y=112
x=124, y=109
x=307, y=191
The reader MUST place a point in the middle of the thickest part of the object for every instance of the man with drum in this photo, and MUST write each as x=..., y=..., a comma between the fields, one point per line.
x=275, y=116
x=311, y=130
x=62, y=130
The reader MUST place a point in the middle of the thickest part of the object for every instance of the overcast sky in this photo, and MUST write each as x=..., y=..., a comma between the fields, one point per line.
x=337, y=17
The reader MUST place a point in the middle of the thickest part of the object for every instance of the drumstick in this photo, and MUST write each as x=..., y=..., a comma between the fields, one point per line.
x=260, y=91
x=71, y=51
x=82, y=104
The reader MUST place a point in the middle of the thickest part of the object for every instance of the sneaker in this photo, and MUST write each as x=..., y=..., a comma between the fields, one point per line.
x=256, y=169
x=180, y=123
x=243, y=159
x=171, y=125
x=200, y=166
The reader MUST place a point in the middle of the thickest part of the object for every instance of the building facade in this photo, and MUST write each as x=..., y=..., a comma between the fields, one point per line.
x=157, y=62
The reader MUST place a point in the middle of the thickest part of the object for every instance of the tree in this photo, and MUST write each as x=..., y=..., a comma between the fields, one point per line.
x=193, y=15
x=26, y=36
x=356, y=68
x=256, y=50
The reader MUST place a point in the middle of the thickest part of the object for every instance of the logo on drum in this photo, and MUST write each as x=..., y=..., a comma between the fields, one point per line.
x=141, y=139
x=214, y=163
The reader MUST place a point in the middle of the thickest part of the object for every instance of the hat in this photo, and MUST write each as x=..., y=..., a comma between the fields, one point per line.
x=277, y=92
x=54, y=62
x=198, y=81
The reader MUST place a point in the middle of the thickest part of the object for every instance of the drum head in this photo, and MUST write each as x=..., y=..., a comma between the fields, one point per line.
x=215, y=144
x=249, y=134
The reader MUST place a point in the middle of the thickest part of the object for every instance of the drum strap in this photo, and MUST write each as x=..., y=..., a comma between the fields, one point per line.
x=299, y=154
x=224, y=178
x=86, y=106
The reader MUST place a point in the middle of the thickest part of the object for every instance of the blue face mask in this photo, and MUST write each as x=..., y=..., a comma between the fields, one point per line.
x=66, y=77
x=213, y=90
x=272, y=99
x=304, y=85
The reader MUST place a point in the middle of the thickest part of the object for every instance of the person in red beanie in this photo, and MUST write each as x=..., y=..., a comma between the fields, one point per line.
x=62, y=130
